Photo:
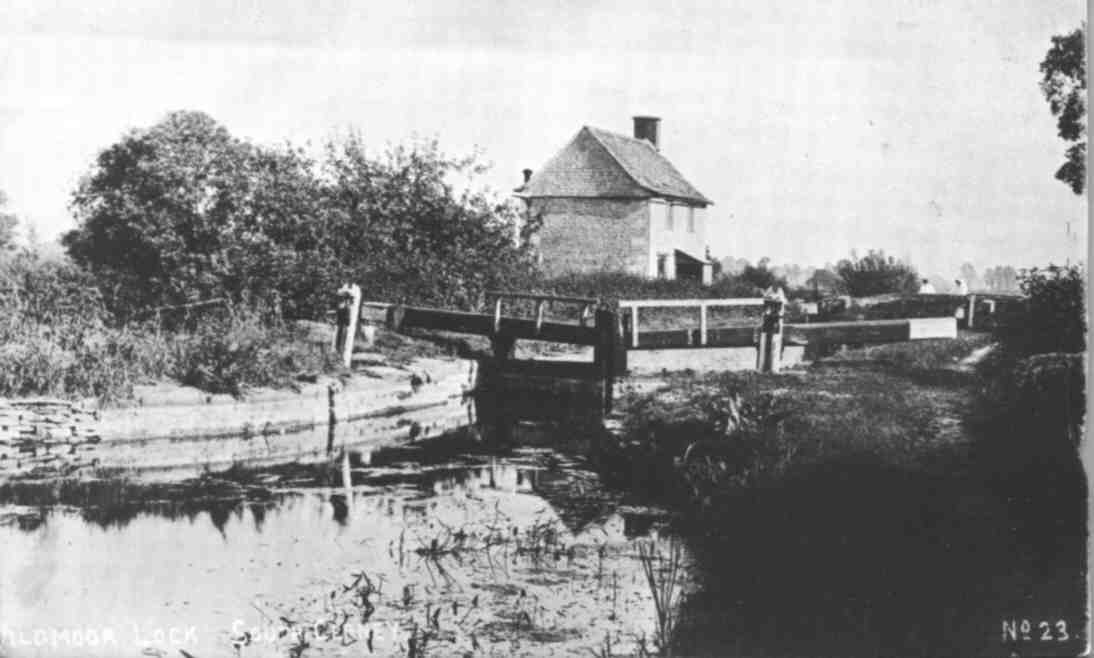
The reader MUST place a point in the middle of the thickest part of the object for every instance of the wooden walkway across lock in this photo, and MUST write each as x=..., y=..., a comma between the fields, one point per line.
x=596, y=327
x=612, y=334
x=602, y=328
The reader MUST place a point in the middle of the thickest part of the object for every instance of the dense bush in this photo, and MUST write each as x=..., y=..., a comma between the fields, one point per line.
x=761, y=277
x=1033, y=382
x=876, y=274
x=245, y=348
x=711, y=441
x=184, y=211
x=1052, y=320
x=610, y=287
x=57, y=338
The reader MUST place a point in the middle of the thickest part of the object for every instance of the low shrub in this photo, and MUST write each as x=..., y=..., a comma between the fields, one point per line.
x=610, y=287
x=1033, y=382
x=917, y=356
x=876, y=274
x=1052, y=319
x=58, y=339
x=724, y=438
x=105, y=364
x=246, y=348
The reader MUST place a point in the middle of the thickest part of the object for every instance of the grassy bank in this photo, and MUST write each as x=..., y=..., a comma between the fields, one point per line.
x=857, y=508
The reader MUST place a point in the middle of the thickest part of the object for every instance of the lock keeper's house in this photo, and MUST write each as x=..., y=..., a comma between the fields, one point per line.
x=611, y=202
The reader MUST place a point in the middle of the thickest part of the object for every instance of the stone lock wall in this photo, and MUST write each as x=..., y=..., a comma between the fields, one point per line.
x=54, y=435
x=583, y=235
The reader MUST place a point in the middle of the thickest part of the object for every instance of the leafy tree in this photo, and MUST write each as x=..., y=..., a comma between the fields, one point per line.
x=8, y=223
x=876, y=274
x=183, y=211
x=970, y=276
x=825, y=281
x=1001, y=279
x=761, y=276
x=792, y=273
x=1063, y=83
x=732, y=265
x=1053, y=318
x=407, y=232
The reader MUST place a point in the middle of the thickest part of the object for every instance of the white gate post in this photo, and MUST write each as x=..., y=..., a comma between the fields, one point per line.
x=354, y=292
x=703, y=324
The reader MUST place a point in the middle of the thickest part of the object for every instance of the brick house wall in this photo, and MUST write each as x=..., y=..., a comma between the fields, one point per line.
x=587, y=234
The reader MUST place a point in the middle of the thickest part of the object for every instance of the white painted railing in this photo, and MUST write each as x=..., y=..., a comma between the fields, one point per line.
x=702, y=304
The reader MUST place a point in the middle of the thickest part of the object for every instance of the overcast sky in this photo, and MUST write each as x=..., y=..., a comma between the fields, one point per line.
x=816, y=127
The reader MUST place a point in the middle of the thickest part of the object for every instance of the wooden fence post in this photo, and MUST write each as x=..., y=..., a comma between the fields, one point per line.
x=703, y=324
x=634, y=326
x=972, y=310
x=539, y=315
x=497, y=315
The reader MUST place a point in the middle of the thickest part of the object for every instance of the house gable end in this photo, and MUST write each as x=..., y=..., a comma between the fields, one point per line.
x=646, y=166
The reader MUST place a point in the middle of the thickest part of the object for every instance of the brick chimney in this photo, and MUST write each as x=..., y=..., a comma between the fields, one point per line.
x=527, y=175
x=648, y=128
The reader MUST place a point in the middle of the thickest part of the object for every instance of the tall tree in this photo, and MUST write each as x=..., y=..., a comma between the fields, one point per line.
x=183, y=210
x=409, y=231
x=761, y=276
x=876, y=274
x=1063, y=82
x=8, y=222
x=969, y=275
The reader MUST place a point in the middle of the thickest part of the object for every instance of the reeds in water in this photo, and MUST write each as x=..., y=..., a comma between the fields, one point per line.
x=664, y=576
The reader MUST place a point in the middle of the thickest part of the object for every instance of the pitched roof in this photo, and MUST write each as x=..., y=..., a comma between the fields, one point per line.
x=599, y=163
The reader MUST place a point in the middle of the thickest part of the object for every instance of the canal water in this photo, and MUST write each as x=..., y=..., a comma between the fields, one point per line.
x=441, y=548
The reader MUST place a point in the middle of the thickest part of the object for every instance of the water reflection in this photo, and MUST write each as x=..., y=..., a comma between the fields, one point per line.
x=524, y=552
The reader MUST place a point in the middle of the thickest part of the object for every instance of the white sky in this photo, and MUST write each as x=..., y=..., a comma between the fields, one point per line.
x=916, y=127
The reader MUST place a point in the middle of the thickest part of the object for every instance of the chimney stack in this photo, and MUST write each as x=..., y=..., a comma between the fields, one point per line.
x=648, y=128
x=527, y=175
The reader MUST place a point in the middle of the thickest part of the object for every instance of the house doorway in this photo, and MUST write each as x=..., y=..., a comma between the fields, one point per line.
x=688, y=267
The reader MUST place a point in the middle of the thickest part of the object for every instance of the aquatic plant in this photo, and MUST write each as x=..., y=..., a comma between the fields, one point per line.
x=664, y=577
x=605, y=649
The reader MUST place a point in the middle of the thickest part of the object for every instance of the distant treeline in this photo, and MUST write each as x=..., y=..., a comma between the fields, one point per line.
x=830, y=279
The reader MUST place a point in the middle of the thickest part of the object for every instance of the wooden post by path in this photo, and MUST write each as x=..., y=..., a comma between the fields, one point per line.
x=769, y=349
x=619, y=358
x=502, y=346
x=341, y=322
x=353, y=307
x=605, y=353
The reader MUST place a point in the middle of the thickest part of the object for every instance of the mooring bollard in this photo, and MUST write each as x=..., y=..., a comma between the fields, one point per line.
x=769, y=349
